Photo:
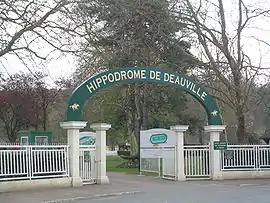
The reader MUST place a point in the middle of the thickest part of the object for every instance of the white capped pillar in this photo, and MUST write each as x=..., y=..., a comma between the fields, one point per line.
x=101, y=173
x=180, y=163
x=215, y=164
x=73, y=136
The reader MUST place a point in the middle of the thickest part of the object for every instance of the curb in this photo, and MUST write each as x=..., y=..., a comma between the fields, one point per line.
x=91, y=197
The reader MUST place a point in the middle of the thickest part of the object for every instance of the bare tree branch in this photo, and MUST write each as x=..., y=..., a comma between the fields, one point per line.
x=224, y=51
x=27, y=26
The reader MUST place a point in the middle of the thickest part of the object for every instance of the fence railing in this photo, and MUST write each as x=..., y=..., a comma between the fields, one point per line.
x=33, y=161
x=246, y=157
x=87, y=164
x=197, y=161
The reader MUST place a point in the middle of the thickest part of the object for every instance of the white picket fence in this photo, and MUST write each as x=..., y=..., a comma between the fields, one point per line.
x=50, y=161
x=246, y=157
x=235, y=158
x=33, y=161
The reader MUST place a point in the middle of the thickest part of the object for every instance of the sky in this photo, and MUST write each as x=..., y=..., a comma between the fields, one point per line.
x=58, y=67
x=64, y=66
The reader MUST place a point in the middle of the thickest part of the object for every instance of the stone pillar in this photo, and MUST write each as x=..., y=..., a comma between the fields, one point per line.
x=180, y=160
x=215, y=155
x=73, y=136
x=101, y=172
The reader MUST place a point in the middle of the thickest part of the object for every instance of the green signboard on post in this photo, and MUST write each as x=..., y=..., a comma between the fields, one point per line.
x=220, y=145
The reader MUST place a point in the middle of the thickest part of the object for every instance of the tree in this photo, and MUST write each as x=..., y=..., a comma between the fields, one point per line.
x=43, y=98
x=28, y=26
x=229, y=70
x=12, y=113
x=25, y=101
x=15, y=108
x=129, y=34
x=265, y=93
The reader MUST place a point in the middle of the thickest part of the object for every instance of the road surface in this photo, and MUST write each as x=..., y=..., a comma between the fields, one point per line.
x=195, y=192
x=138, y=189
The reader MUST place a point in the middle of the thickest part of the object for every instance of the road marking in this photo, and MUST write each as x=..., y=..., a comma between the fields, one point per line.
x=91, y=197
x=255, y=185
x=107, y=198
x=248, y=184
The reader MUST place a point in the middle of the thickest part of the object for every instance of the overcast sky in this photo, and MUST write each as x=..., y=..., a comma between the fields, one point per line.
x=57, y=67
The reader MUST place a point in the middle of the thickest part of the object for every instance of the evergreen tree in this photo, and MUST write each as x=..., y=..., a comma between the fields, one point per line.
x=127, y=33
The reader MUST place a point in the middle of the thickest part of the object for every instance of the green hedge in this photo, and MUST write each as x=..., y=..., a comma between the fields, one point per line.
x=123, y=153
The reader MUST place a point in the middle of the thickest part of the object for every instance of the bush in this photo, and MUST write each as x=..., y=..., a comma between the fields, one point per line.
x=134, y=157
x=123, y=153
x=132, y=162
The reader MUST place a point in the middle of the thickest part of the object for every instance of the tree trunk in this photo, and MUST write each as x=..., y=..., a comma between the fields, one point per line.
x=144, y=108
x=44, y=118
x=201, y=135
x=137, y=125
x=241, y=127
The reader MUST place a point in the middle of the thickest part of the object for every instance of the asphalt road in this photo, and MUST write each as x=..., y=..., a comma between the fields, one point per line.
x=195, y=192
x=150, y=190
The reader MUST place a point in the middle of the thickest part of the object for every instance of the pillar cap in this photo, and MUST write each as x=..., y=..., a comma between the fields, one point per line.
x=179, y=128
x=73, y=124
x=214, y=128
x=100, y=126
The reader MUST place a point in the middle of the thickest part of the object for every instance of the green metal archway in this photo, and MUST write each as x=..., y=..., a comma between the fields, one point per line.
x=152, y=75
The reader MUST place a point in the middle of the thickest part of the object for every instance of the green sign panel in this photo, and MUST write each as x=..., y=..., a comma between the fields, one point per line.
x=158, y=138
x=141, y=74
x=220, y=145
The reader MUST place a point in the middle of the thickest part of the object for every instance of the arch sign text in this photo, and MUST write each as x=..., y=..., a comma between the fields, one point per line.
x=152, y=75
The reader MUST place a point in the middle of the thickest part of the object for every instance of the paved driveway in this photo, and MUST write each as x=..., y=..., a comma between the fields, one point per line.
x=195, y=193
x=162, y=191
x=151, y=190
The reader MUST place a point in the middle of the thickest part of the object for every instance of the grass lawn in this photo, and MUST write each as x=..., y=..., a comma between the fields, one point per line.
x=114, y=161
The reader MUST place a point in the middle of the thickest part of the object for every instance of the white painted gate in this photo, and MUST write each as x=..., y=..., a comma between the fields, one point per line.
x=159, y=144
x=160, y=160
x=197, y=162
x=150, y=160
x=88, y=164
x=158, y=152
x=169, y=163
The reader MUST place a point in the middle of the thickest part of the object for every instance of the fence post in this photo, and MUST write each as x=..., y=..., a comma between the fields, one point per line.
x=256, y=155
x=215, y=155
x=180, y=159
x=73, y=135
x=30, y=161
x=101, y=173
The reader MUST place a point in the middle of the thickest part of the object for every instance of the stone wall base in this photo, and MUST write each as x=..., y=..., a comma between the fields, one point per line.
x=237, y=175
x=18, y=185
